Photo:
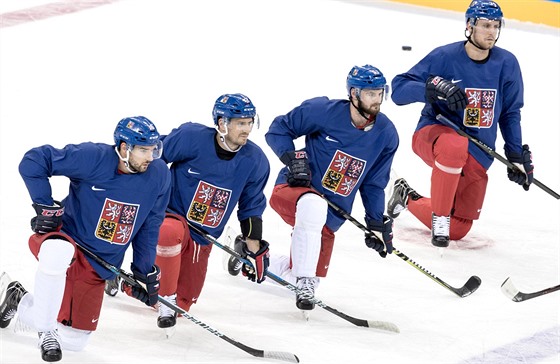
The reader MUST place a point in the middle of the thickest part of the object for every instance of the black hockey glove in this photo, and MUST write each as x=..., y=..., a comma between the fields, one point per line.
x=438, y=88
x=48, y=219
x=299, y=173
x=524, y=162
x=147, y=292
x=382, y=242
x=259, y=260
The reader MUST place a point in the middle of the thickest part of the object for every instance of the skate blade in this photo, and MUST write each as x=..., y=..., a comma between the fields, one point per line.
x=305, y=314
x=169, y=332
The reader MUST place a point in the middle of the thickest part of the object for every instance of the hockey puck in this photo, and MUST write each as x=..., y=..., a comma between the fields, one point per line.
x=406, y=48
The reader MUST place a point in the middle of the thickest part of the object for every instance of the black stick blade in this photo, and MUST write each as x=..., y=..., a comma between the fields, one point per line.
x=472, y=285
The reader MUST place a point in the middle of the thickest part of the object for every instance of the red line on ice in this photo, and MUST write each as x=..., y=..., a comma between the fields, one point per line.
x=49, y=10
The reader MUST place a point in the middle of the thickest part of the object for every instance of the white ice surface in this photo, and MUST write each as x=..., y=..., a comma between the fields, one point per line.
x=70, y=78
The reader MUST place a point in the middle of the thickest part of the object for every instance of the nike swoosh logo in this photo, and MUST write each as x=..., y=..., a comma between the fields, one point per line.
x=97, y=189
x=329, y=139
x=192, y=172
x=456, y=81
x=94, y=320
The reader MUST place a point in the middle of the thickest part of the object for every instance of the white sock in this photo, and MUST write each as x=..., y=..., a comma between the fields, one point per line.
x=73, y=339
x=280, y=266
x=311, y=215
x=25, y=319
x=50, y=280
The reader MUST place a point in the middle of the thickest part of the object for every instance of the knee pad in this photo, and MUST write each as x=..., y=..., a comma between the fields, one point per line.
x=55, y=256
x=168, y=254
x=170, y=239
x=451, y=150
x=73, y=339
x=311, y=212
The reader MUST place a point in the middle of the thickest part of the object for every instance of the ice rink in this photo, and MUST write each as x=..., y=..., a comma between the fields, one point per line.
x=69, y=71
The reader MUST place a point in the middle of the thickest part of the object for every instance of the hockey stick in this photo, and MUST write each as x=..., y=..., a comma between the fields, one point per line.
x=515, y=295
x=280, y=355
x=381, y=325
x=493, y=153
x=469, y=287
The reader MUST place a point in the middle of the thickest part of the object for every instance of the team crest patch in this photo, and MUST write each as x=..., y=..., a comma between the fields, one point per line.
x=479, y=112
x=209, y=204
x=116, y=222
x=343, y=173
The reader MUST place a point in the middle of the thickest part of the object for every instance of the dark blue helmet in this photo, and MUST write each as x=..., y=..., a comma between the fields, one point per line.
x=233, y=106
x=483, y=9
x=136, y=130
x=365, y=77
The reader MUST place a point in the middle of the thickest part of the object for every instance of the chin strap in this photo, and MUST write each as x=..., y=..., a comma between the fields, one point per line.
x=473, y=43
x=370, y=120
x=223, y=139
x=125, y=160
x=468, y=36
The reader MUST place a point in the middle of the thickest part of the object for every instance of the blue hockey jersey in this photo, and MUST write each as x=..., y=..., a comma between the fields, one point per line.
x=494, y=90
x=105, y=210
x=206, y=189
x=342, y=158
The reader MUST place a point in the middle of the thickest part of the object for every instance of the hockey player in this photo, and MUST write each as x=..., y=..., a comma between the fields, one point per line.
x=349, y=147
x=118, y=195
x=213, y=169
x=479, y=87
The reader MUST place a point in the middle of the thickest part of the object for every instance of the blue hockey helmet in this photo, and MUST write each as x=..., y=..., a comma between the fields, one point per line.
x=366, y=77
x=483, y=9
x=230, y=106
x=136, y=130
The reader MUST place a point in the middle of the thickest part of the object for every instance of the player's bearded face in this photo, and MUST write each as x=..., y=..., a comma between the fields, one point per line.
x=138, y=166
x=370, y=101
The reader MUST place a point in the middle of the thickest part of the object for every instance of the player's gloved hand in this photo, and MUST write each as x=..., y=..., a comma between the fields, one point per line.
x=524, y=162
x=382, y=239
x=438, y=88
x=48, y=219
x=299, y=173
x=259, y=260
x=147, y=291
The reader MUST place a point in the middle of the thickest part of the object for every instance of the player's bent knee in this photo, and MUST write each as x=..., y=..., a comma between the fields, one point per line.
x=451, y=150
x=311, y=211
x=73, y=339
x=55, y=256
x=170, y=238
